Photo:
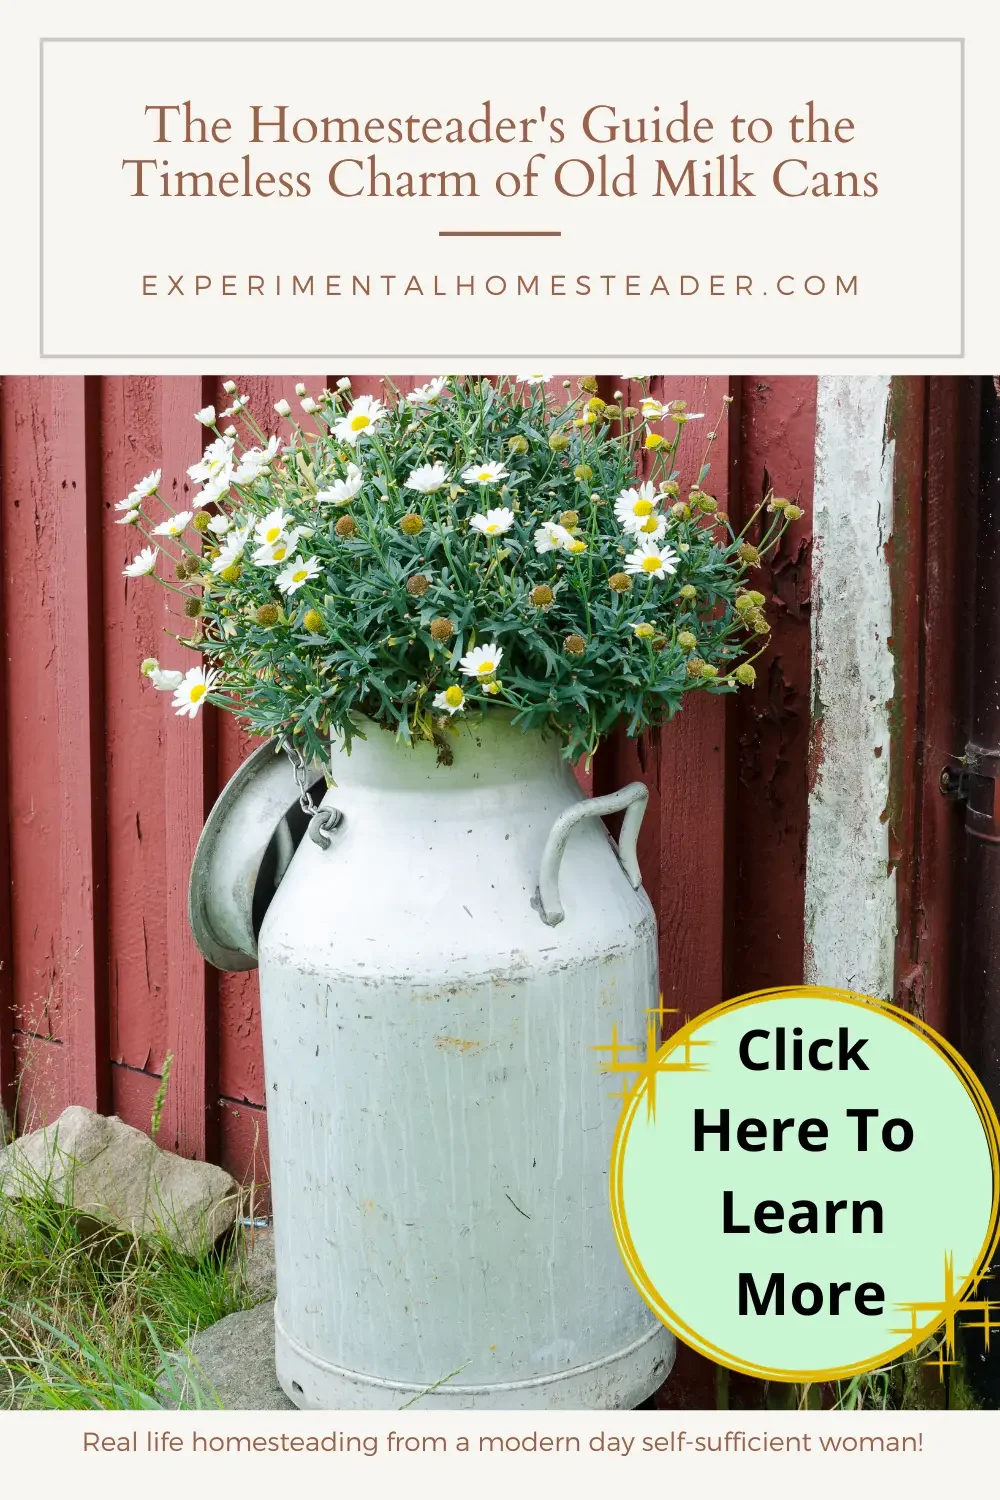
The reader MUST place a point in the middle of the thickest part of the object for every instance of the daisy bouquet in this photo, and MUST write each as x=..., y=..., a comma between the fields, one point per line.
x=417, y=557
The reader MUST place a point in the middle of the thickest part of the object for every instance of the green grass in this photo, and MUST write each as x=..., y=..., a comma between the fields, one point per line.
x=86, y=1313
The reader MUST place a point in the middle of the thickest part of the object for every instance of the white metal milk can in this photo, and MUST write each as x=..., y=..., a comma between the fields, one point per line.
x=434, y=984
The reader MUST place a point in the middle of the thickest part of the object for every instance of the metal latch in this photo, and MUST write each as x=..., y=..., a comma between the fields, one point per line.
x=972, y=778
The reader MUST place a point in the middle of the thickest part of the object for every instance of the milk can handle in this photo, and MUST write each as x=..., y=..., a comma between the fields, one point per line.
x=633, y=799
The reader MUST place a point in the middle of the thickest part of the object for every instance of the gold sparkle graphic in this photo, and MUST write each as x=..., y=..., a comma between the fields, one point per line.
x=652, y=1061
x=946, y=1312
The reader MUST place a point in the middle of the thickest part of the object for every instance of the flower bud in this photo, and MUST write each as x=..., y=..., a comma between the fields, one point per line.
x=300, y=389
x=589, y=384
x=695, y=666
x=558, y=442
x=192, y=608
x=312, y=621
x=180, y=569
x=149, y=666
x=745, y=674
x=687, y=640
x=644, y=631
x=574, y=645
x=612, y=413
x=541, y=596
x=268, y=614
x=756, y=598
x=793, y=512
x=707, y=505
x=229, y=386
x=346, y=527
x=743, y=604
x=681, y=511
x=308, y=405
x=442, y=629
x=231, y=574
x=584, y=473
x=709, y=671
x=344, y=383
x=418, y=585
x=569, y=519
x=748, y=554
x=282, y=408
x=620, y=582
x=411, y=524
x=688, y=592
x=201, y=520
x=518, y=443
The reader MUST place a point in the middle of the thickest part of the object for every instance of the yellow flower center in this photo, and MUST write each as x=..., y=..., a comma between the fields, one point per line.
x=576, y=545
x=642, y=508
x=486, y=667
x=280, y=553
x=198, y=692
x=454, y=697
x=360, y=422
x=649, y=525
x=651, y=564
x=484, y=475
x=272, y=534
x=300, y=575
x=492, y=528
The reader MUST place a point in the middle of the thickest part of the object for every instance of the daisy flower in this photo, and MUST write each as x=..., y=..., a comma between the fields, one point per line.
x=131, y=502
x=298, y=572
x=237, y=406
x=219, y=525
x=652, y=528
x=484, y=473
x=165, y=681
x=216, y=459
x=482, y=661
x=632, y=507
x=232, y=549
x=426, y=395
x=174, y=525
x=213, y=490
x=129, y=518
x=308, y=405
x=677, y=413
x=654, y=561
x=282, y=408
x=191, y=693
x=550, y=536
x=428, y=479
x=341, y=491
x=255, y=462
x=206, y=416
x=272, y=527
x=495, y=522
x=147, y=486
x=361, y=417
x=451, y=700
x=651, y=410
x=533, y=379
x=272, y=553
x=144, y=562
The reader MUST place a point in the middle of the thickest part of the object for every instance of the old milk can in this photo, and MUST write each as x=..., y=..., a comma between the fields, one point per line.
x=433, y=986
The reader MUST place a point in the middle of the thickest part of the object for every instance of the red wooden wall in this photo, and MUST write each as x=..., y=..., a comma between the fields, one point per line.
x=106, y=791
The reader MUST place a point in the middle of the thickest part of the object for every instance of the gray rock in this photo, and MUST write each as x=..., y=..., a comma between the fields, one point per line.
x=259, y=1272
x=230, y=1364
x=109, y=1172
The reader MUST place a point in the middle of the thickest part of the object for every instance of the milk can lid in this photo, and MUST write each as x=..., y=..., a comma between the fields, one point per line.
x=244, y=850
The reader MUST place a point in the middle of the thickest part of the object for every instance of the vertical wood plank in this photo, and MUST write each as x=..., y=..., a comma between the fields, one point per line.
x=682, y=845
x=8, y=1086
x=768, y=797
x=190, y=1118
x=54, y=713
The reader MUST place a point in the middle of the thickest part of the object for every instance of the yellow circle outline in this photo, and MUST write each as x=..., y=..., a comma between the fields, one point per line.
x=619, y=1218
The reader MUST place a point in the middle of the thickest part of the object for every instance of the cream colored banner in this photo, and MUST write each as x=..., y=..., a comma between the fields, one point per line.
x=467, y=200
x=579, y=1453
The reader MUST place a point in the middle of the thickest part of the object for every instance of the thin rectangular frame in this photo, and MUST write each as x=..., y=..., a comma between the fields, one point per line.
x=340, y=355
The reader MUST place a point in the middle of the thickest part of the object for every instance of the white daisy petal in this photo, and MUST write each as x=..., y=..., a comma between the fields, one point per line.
x=482, y=661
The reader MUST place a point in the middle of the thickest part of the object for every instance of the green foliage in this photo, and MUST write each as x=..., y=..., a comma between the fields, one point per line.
x=299, y=659
x=86, y=1313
